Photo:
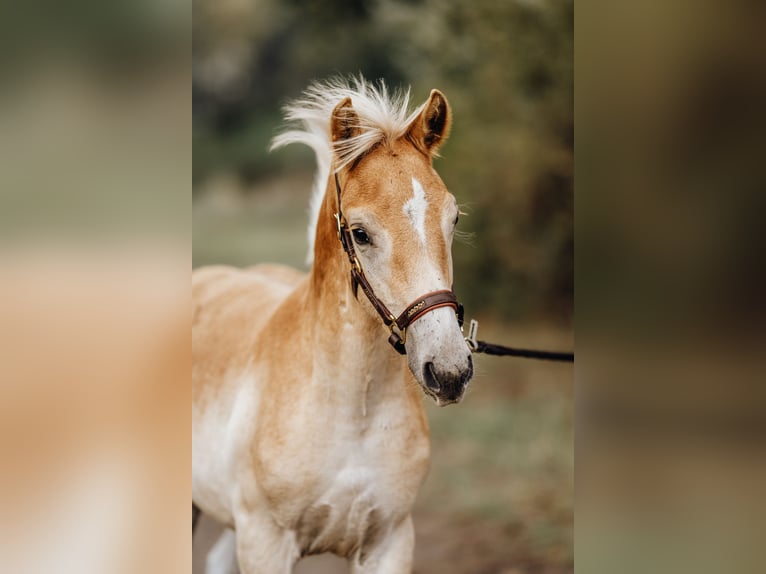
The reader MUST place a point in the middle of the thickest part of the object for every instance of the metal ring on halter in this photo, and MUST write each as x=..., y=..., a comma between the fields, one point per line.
x=473, y=329
x=340, y=226
x=402, y=332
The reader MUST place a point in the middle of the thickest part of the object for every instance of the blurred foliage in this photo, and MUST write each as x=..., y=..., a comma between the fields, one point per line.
x=507, y=70
x=670, y=161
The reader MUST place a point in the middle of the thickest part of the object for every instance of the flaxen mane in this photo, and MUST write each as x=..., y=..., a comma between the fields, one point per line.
x=382, y=117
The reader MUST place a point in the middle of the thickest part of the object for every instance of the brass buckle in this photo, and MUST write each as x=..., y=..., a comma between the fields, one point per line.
x=340, y=227
x=397, y=340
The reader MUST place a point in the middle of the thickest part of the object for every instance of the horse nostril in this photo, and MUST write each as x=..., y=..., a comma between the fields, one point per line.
x=469, y=372
x=430, y=377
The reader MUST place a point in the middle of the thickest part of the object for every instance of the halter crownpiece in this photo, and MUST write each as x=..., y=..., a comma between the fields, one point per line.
x=413, y=311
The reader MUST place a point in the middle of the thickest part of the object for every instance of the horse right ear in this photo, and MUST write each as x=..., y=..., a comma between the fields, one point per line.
x=344, y=123
x=430, y=128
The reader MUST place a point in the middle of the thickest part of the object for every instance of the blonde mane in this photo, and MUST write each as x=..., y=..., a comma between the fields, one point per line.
x=383, y=117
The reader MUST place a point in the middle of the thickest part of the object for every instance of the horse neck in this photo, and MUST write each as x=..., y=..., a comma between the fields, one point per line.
x=351, y=347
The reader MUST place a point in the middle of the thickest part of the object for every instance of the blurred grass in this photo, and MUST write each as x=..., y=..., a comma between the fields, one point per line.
x=502, y=471
x=499, y=496
x=235, y=227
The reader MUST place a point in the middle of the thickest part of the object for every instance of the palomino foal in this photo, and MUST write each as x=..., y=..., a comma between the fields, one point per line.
x=309, y=433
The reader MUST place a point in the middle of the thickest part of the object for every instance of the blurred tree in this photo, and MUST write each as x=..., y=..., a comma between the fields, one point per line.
x=507, y=69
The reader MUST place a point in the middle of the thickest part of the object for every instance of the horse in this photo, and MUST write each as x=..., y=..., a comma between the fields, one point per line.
x=308, y=424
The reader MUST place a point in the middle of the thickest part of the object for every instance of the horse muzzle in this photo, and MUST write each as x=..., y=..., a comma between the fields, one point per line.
x=447, y=385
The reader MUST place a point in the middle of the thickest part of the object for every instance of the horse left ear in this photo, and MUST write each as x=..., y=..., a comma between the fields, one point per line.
x=344, y=122
x=429, y=130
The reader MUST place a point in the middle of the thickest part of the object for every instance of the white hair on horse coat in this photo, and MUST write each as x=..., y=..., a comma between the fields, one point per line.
x=382, y=116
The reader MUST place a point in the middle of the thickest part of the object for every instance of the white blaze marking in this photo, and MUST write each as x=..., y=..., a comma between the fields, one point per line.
x=415, y=209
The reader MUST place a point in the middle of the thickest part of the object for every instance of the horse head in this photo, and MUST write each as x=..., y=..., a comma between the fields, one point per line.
x=401, y=219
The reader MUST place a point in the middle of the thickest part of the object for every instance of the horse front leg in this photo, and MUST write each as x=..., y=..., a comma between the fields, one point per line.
x=391, y=555
x=222, y=558
x=265, y=548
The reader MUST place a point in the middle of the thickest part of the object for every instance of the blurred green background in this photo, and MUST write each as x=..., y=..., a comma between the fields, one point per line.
x=499, y=498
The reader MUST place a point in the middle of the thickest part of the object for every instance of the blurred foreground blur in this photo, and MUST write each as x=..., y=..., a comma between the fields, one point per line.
x=671, y=402
x=94, y=364
x=94, y=291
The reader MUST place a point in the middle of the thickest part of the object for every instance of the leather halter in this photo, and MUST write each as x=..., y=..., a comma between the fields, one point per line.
x=413, y=311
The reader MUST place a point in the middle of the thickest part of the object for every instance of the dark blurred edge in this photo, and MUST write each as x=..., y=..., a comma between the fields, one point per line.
x=670, y=279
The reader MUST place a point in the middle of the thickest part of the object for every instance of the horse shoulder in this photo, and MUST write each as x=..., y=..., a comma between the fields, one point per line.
x=231, y=310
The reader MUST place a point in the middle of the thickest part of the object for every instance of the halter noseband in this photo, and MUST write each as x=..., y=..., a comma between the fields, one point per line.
x=415, y=310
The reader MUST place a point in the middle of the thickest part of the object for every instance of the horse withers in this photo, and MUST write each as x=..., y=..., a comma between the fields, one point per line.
x=309, y=432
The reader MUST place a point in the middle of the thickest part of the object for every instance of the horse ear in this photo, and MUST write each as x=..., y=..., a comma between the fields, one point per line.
x=430, y=129
x=344, y=123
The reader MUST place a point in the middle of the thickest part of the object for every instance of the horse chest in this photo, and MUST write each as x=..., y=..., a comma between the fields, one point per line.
x=387, y=456
x=350, y=464
x=348, y=485
x=358, y=503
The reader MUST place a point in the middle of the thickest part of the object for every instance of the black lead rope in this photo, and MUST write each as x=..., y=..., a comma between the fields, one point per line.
x=502, y=351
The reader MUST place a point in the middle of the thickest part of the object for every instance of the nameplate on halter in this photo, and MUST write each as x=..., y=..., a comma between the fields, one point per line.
x=416, y=308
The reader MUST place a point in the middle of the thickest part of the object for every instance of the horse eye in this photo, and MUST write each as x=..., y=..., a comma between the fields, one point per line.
x=360, y=236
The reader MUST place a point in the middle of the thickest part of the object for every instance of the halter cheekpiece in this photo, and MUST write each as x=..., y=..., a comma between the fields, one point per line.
x=413, y=311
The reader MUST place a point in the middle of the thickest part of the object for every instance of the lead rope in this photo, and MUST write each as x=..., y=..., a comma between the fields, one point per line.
x=503, y=351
